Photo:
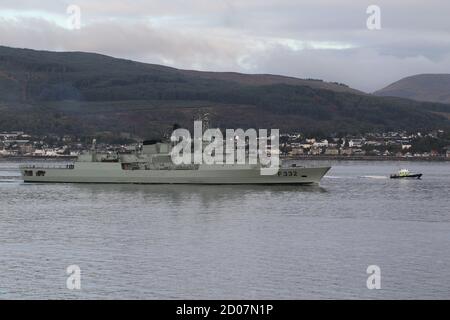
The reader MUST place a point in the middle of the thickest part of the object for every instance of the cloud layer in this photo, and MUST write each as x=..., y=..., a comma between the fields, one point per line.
x=325, y=39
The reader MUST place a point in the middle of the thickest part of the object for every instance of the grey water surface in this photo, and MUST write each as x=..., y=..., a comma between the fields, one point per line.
x=230, y=242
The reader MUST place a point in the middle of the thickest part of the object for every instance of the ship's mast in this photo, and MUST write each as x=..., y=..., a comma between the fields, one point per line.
x=94, y=150
x=204, y=118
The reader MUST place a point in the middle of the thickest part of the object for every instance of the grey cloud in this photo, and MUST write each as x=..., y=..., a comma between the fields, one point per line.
x=133, y=41
x=361, y=68
x=272, y=36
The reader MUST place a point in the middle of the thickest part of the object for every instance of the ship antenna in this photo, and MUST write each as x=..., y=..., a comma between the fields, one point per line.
x=94, y=150
x=204, y=118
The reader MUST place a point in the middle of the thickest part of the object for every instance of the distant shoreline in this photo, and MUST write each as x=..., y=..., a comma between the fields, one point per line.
x=34, y=158
x=299, y=157
x=367, y=158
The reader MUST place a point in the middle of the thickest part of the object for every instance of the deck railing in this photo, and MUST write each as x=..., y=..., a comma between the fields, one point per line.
x=47, y=166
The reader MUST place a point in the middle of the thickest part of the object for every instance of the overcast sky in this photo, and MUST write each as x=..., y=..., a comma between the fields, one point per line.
x=325, y=39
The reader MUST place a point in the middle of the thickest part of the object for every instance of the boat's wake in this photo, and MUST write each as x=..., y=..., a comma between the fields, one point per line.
x=335, y=177
x=374, y=177
x=10, y=180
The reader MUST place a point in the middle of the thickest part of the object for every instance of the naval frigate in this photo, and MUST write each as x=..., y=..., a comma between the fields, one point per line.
x=151, y=163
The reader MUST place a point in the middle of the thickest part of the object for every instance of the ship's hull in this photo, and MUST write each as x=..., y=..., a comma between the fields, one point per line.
x=414, y=176
x=97, y=172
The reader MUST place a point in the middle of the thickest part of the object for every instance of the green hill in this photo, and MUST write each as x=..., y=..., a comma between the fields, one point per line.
x=422, y=87
x=85, y=93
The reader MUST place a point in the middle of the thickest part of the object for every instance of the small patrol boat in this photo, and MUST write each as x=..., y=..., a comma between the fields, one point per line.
x=404, y=173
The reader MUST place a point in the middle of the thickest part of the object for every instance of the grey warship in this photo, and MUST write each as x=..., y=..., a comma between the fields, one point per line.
x=151, y=163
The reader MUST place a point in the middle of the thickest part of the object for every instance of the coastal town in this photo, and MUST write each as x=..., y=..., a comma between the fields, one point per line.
x=400, y=145
x=433, y=145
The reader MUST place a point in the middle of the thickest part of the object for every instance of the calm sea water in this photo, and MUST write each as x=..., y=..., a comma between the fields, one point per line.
x=223, y=242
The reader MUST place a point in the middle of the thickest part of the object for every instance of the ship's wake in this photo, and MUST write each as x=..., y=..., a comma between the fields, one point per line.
x=374, y=177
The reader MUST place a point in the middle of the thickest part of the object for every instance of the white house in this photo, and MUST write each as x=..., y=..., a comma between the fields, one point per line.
x=332, y=151
x=4, y=152
x=406, y=146
x=356, y=143
x=321, y=144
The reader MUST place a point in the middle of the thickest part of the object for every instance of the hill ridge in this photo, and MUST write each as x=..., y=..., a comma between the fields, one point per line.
x=83, y=93
x=433, y=87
